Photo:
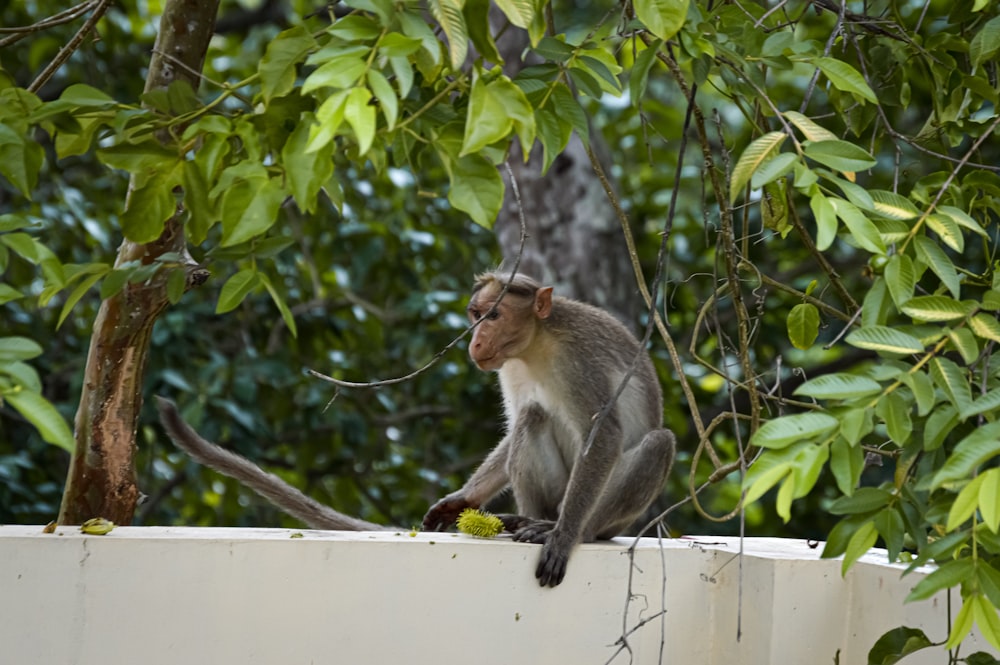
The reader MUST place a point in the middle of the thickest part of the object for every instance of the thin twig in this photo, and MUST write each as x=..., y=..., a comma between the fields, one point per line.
x=66, y=51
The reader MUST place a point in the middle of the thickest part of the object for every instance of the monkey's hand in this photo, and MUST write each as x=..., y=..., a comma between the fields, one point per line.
x=553, y=559
x=443, y=514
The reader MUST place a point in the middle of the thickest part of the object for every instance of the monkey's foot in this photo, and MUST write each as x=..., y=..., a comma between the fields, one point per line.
x=534, y=531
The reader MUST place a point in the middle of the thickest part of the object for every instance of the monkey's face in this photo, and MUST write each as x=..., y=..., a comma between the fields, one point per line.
x=508, y=330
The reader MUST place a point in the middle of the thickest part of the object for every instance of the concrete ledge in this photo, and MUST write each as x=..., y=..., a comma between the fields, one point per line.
x=219, y=596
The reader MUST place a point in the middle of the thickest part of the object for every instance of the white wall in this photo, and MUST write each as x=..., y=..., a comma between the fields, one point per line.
x=148, y=595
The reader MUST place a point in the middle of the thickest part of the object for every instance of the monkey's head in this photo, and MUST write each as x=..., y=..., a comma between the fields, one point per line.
x=508, y=330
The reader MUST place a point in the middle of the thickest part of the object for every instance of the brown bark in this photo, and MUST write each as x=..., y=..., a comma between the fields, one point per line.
x=101, y=481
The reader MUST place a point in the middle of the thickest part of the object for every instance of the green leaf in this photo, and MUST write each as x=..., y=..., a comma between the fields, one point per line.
x=895, y=413
x=803, y=325
x=862, y=541
x=329, y=117
x=202, y=214
x=935, y=308
x=476, y=188
x=784, y=431
x=986, y=617
x=988, y=402
x=846, y=463
x=663, y=18
x=236, y=289
x=753, y=157
x=840, y=535
x=339, y=73
x=964, y=505
x=965, y=343
x=260, y=213
x=839, y=155
x=20, y=161
x=494, y=110
x=962, y=219
x=404, y=75
x=18, y=348
x=864, y=500
x=783, y=502
x=855, y=424
x=989, y=582
x=808, y=464
x=356, y=27
x=962, y=625
x=40, y=413
x=306, y=171
x=23, y=245
x=896, y=644
x=953, y=381
x=286, y=313
x=387, y=99
x=78, y=292
x=554, y=134
x=989, y=499
x=975, y=449
x=922, y=388
x=809, y=129
x=485, y=122
x=865, y=233
x=946, y=576
x=82, y=95
x=838, y=386
x=826, y=221
x=395, y=45
x=985, y=44
x=900, y=278
x=940, y=423
x=889, y=524
x=884, y=339
x=278, y=66
x=448, y=14
x=892, y=205
x=9, y=294
x=985, y=326
x=639, y=75
x=519, y=12
x=150, y=205
x=773, y=169
x=845, y=77
x=176, y=285
x=360, y=115
x=946, y=229
x=931, y=253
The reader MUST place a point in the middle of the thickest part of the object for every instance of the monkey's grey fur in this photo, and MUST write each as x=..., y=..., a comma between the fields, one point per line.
x=269, y=486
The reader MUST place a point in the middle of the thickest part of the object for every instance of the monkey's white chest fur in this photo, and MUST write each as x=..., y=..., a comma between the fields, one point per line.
x=521, y=386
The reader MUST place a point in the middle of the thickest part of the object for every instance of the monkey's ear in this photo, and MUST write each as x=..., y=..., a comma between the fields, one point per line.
x=543, y=302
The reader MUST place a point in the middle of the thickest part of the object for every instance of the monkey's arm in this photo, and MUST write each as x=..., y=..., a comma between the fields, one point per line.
x=487, y=481
x=269, y=486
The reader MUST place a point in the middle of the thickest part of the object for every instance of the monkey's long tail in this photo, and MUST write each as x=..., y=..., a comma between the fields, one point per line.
x=269, y=486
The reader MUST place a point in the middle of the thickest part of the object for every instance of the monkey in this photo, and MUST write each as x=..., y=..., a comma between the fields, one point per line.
x=269, y=486
x=559, y=363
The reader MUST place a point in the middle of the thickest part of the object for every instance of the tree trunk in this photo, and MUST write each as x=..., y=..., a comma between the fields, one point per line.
x=574, y=238
x=101, y=481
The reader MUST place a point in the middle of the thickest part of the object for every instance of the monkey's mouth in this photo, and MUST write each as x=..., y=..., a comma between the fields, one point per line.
x=488, y=363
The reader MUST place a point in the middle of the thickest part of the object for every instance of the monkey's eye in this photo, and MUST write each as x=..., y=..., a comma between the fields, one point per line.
x=494, y=315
